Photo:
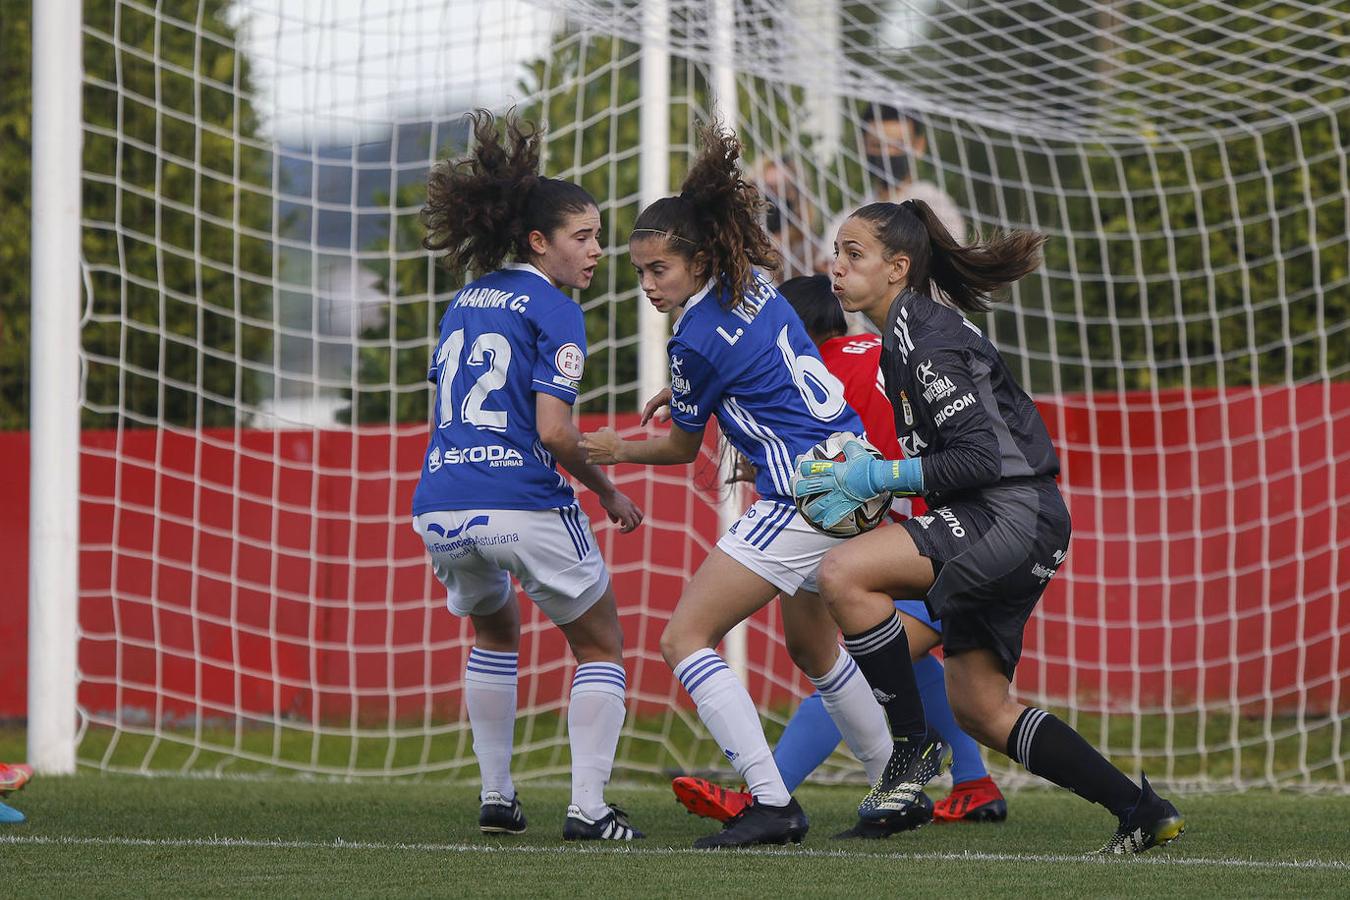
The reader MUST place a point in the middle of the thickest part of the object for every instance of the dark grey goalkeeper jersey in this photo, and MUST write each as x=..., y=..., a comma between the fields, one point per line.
x=957, y=407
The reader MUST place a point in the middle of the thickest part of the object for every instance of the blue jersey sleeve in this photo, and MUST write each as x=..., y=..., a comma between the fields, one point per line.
x=696, y=387
x=562, y=353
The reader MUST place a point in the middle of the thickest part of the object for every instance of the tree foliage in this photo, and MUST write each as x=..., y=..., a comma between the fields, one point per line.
x=1215, y=258
x=16, y=196
x=177, y=205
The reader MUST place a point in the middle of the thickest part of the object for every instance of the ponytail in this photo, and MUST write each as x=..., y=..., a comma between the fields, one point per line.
x=966, y=274
x=717, y=214
x=483, y=207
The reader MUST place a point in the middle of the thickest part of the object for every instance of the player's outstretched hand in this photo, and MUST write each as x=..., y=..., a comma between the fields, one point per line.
x=602, y=447
x=658, y=407
x=622, y=511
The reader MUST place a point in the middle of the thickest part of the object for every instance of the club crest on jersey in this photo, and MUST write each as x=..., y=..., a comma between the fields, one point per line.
x=935, y=386
x=906, y=409
x=434, y=459
x=570, y=361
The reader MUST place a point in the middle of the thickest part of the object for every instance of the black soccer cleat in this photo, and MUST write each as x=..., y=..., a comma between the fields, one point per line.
x=759, y=824
x=612, y=826
x=498, y=815
x=918, y=814
x=912, y=765
x=1154, y=822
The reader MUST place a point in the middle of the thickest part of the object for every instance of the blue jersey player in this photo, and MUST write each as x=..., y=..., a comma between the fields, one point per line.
x=740, y=355
x=996, y=530
x=491, y=503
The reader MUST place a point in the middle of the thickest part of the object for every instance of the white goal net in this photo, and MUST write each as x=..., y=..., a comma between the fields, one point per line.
x=257, y=316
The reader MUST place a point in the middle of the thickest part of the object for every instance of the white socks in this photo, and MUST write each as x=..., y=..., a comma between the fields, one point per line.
x=490, y=694
x=725, y=707
x=860, y=719
x=594, y=717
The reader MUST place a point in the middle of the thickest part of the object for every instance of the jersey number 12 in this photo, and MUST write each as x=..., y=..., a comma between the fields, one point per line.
x=488, y=348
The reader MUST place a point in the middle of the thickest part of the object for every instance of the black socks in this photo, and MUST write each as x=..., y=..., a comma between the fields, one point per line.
x=882, y=652
x=1051, y=749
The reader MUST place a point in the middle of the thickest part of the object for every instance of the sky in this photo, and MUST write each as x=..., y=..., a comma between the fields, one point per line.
x=334, y=71
x=340, y=70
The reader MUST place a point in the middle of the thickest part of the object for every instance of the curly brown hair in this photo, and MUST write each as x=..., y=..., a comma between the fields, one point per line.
x=483, y=207
x=718, y=213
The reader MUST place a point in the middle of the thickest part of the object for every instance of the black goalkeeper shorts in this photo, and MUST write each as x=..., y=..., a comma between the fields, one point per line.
x=993, y=553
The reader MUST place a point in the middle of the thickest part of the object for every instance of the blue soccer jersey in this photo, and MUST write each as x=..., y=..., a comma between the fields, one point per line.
x=755, y=369
x=503, y=338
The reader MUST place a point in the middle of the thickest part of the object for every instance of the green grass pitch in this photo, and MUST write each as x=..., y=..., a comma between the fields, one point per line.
x=124, y=835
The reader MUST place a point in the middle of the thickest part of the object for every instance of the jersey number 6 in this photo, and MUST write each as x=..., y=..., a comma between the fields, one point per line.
x=823, y=393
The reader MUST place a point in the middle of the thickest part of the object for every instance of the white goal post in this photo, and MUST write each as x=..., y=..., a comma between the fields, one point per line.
x=53, y=581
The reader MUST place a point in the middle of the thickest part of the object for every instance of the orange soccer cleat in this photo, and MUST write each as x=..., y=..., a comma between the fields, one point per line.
x=979, y=800
x=703, y=798
x=14, y=777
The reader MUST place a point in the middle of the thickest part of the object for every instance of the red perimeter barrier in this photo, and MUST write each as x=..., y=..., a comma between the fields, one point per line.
x=239, y=572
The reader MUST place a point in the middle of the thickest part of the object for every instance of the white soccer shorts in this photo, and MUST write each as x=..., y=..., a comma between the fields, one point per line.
x=773, y=541
x=551, y=552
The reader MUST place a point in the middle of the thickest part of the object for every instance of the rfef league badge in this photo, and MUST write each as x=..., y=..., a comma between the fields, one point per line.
x=570, y=361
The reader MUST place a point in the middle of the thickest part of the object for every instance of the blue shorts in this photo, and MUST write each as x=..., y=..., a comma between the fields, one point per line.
x=917, y=609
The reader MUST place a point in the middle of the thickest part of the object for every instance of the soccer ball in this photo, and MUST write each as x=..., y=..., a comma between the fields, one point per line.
x=865, y=517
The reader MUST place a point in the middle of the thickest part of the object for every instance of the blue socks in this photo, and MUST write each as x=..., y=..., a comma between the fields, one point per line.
x=808, y=740
x=810, y=736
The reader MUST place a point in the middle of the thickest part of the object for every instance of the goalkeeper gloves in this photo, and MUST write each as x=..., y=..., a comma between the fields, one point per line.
x=846, y=485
